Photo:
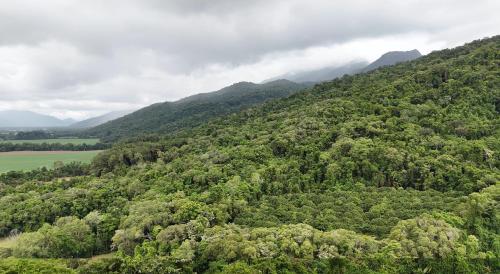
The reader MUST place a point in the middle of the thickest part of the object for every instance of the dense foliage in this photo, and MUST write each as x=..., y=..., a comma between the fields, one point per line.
x=426, y=124
x=7, y=147
x=393, y=171
x=32, y=135
x=194, y=110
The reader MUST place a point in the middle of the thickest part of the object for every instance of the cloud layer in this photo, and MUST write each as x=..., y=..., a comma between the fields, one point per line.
x=82, y=58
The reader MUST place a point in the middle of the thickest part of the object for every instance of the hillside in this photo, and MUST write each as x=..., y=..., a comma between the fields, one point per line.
x=99, y=120
x=194, y=110
x=29, y=119
x=392, y=171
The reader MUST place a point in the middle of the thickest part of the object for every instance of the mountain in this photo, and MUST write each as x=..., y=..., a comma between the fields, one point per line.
x=392, y=58
x=392, y=171
x=99, y=120
x=194, y=110
x=330, y=73
x=320, y=75
x=353, y=167
x=29, y=119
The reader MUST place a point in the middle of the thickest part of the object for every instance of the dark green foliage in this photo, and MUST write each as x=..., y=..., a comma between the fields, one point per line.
x=68, y=237
x=371, y=211
x=395, y=127
x=15, y=266
x=194, y=110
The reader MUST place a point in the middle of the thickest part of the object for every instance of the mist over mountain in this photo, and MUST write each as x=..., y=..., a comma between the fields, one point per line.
x=321, y=75
x=99, y=120
x=29, y=119
x=392, y=58
x=330, y=73
x=195, y=109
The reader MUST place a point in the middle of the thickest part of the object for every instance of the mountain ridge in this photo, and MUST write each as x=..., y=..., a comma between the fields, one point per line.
x=194, y=110
x=392, y=58
x=30, y=119
x=99, y=120
x=330, y=73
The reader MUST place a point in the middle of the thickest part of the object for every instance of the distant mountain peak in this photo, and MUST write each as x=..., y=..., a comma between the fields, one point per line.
x=393, y=57
x=194, y=110
x=99, y=120
x=330, y=73
x=321, y=74
x=30, y=119
x=280, y=81
x=413, y=52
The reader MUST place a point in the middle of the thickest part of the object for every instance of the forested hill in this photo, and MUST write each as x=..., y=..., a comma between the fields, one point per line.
x=194, y=110
x=391, y=171
x=429, y=123
x=391, y=58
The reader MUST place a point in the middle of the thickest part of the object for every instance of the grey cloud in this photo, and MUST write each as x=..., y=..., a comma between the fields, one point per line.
x=200, y=32
x=140, y=51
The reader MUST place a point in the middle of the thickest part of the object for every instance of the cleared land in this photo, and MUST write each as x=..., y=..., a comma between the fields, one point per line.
x=28, y=160
x=55, y=141
x=8, y=242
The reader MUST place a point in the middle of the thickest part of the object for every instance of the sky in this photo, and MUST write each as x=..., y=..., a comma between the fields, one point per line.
x=78, y=59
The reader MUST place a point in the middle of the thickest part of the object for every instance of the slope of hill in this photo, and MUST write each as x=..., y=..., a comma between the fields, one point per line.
x=99, y=120
x=194, y=110
x=29, y=119
x=392, y=171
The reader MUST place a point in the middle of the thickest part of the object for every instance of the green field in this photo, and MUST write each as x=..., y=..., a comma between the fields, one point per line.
x=63, y=141
x=8, y=242
x=28, y=160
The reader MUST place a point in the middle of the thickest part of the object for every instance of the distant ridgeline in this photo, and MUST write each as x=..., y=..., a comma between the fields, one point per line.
x=392, y=171
x=29, y=119
x=330, y=73
x=169, y=117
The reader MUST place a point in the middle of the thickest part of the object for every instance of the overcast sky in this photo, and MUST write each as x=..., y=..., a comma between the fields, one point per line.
x=76, y=59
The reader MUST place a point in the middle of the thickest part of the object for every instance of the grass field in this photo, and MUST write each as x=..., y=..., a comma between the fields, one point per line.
x=28, y=160
x=55, y=141
x=8, y=242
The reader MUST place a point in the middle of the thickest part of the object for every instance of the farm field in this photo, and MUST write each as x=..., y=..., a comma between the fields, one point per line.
x=28, y=160
x=55, y=141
